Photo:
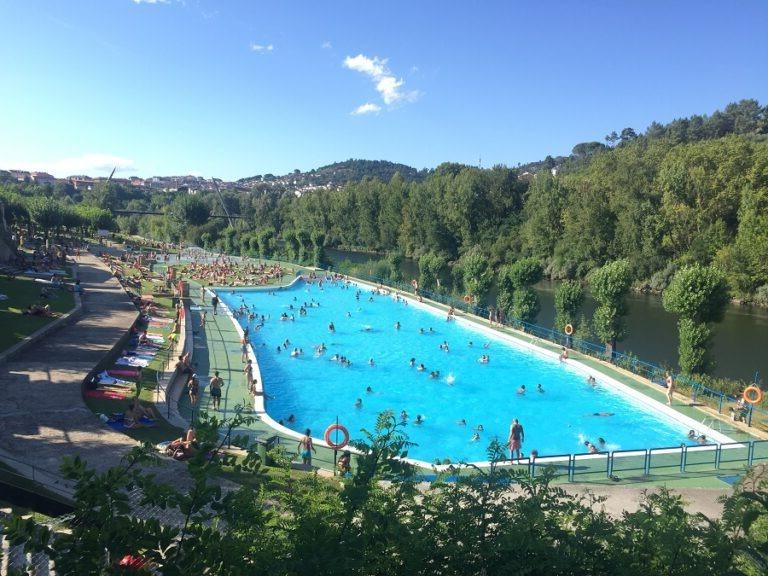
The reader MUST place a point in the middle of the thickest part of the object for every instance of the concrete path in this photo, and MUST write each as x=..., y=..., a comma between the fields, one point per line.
x=43, y=416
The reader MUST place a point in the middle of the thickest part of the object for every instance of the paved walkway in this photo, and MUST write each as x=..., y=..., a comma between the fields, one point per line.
x=43, y=416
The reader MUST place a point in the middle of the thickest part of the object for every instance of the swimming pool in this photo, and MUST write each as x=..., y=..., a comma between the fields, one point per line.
x=317, y=390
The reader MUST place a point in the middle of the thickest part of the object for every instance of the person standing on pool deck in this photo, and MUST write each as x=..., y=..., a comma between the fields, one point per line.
x=670, y=387
x=306, y=447
x=249, y=376
x=215, y=389
x=516, y=438
x=215, y=303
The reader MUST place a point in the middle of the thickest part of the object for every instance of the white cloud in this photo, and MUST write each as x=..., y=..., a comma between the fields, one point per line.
x=261, y=48
x=387, y=84
x=150, y=1
x=90, y=164
x=367, y=108
x=326, y=45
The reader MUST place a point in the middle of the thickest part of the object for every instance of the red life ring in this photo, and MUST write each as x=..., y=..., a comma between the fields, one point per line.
x=752, y=394
x=330, y=430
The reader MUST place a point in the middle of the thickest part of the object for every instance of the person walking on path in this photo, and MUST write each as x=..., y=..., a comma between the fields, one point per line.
x=215, y=388
x=202, y=320
x=202, y=294
x=193, y=387
x=249, y=377
x=516, y=438
x=215, y=303
x=306, y=447
x=244, y=349
x=670, y=387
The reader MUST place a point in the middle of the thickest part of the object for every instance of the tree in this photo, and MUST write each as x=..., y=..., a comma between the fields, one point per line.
x=516, y=296
x=431, y=266
x=190, y=210
x=266, y=238
x=46, y=213
x=475, y=274
x=699, y=296
x=318, y=253
x=395, y=261
x=610, y=285
x=569, y=297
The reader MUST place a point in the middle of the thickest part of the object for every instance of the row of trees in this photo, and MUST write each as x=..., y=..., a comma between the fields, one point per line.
x=378, y=521
x=51, y=216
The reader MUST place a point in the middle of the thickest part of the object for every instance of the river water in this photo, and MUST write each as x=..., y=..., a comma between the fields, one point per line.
x=740, y=342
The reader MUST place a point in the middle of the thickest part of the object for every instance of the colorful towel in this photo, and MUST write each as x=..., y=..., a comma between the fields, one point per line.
x=104, y=394
x=125, y=372
x=132, y=361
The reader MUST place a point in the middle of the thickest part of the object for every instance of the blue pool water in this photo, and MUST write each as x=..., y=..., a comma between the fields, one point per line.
x=317, y=390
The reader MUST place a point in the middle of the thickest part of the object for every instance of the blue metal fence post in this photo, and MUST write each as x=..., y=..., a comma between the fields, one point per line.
x=718, y=455
x=720, y=407
x=749, y=415
x=647, y=463
x=751, y=453
x=683, y=457
x=609, y=465
x=571, y=466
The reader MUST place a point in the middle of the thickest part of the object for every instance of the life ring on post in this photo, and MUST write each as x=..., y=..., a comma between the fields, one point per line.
x=333, y=428
x=467, y=298
x=569, y=329
x=752, y=395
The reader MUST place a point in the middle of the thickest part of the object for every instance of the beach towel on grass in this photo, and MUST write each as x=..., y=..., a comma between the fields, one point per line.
x=159, y=320
x=119, y=425
x=107, y=380
x=104, y=394
x=134, y=361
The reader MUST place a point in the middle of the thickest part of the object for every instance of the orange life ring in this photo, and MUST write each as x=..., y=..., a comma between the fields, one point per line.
x=336, y=445
x=569, y=329
x=467, y=298
x=751, y=398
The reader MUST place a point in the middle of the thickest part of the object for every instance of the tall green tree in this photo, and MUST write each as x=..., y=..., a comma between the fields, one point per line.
x=610, y=285
x=475, y=273
x=516, y=295
x=699, y=296
x=569, y=298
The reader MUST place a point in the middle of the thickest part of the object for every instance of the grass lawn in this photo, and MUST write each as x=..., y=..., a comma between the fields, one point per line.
x=21, y=292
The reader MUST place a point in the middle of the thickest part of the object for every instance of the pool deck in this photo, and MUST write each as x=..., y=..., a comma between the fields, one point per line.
x=221, y=339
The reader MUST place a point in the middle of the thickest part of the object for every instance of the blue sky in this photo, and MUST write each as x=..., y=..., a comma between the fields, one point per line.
x=241, y=87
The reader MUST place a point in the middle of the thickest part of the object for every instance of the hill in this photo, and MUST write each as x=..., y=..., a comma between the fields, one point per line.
x=333, y=176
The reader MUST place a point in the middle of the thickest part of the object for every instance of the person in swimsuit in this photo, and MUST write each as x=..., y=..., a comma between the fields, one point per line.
x=215, y=387
x=516, y=438
x=670, y=387
x=306, y=447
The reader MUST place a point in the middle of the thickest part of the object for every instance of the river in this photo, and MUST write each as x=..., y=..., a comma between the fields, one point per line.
x=740, y=344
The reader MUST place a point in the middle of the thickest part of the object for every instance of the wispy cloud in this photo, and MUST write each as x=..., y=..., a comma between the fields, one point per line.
x=367, y=108
x=326, y=45
x=261, y=48
x=150, y=1
x=389, y=86
x=91, y=164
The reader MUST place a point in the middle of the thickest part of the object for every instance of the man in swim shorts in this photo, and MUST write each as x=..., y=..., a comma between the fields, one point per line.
x=306, y=447
x=215, y=388
x=516, y=438
x=215, y=303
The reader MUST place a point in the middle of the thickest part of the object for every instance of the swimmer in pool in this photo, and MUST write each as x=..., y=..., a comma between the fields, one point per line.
x=591, y=380
x=331, y=327
x=479, y=428
x=434, y=374
x=521, y=390
x=412, y=362
x=471, y=344
x=606, y=414
x=397, y=325
x=369, y=390
x=539, y=389
x=421, y=368
x=419, y=420
x=371, y=362
x=404, y=416
x=359, y=403
x=475, y=437
x=421, y=330
x=462, y=422
x=291, y=419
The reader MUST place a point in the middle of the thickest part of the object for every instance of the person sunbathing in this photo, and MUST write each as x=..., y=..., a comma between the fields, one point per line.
x=184, y=447
x=38, y=310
